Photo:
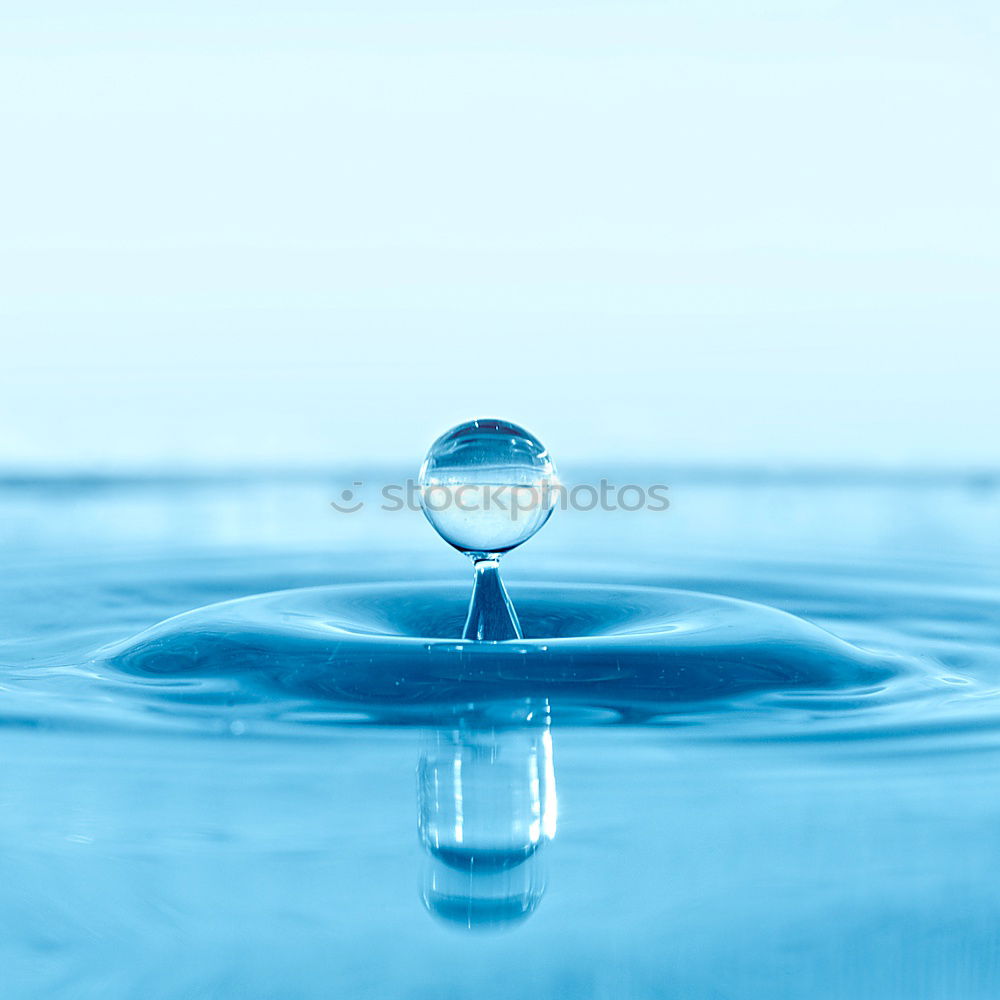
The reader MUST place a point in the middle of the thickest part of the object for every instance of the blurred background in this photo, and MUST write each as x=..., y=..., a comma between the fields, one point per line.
x=314, y=234
x=254, y=253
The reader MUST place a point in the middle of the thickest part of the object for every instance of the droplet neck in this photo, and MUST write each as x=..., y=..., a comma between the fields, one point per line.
x=492, y=617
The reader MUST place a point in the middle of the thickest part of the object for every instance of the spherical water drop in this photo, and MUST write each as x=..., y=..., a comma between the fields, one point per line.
x=487, y=487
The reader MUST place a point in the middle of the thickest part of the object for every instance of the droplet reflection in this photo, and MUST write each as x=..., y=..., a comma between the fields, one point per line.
x=487, y=810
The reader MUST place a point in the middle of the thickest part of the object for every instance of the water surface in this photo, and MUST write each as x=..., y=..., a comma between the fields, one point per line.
x=186, y=831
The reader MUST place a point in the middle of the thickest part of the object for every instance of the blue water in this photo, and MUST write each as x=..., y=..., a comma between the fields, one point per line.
x=775, y=742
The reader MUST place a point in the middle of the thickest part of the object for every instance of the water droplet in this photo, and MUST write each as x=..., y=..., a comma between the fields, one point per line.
x=487, y=486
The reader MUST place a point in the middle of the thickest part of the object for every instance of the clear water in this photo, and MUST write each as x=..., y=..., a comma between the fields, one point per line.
x=823, y=825
x=484, y=486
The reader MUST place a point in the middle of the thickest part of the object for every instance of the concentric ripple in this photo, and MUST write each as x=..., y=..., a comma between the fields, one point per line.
x=390, y=652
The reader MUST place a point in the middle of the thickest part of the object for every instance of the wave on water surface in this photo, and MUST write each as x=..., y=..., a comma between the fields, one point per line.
x=390, y=653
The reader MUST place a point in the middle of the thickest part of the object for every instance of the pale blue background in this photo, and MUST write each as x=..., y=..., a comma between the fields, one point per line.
x=260, y=233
